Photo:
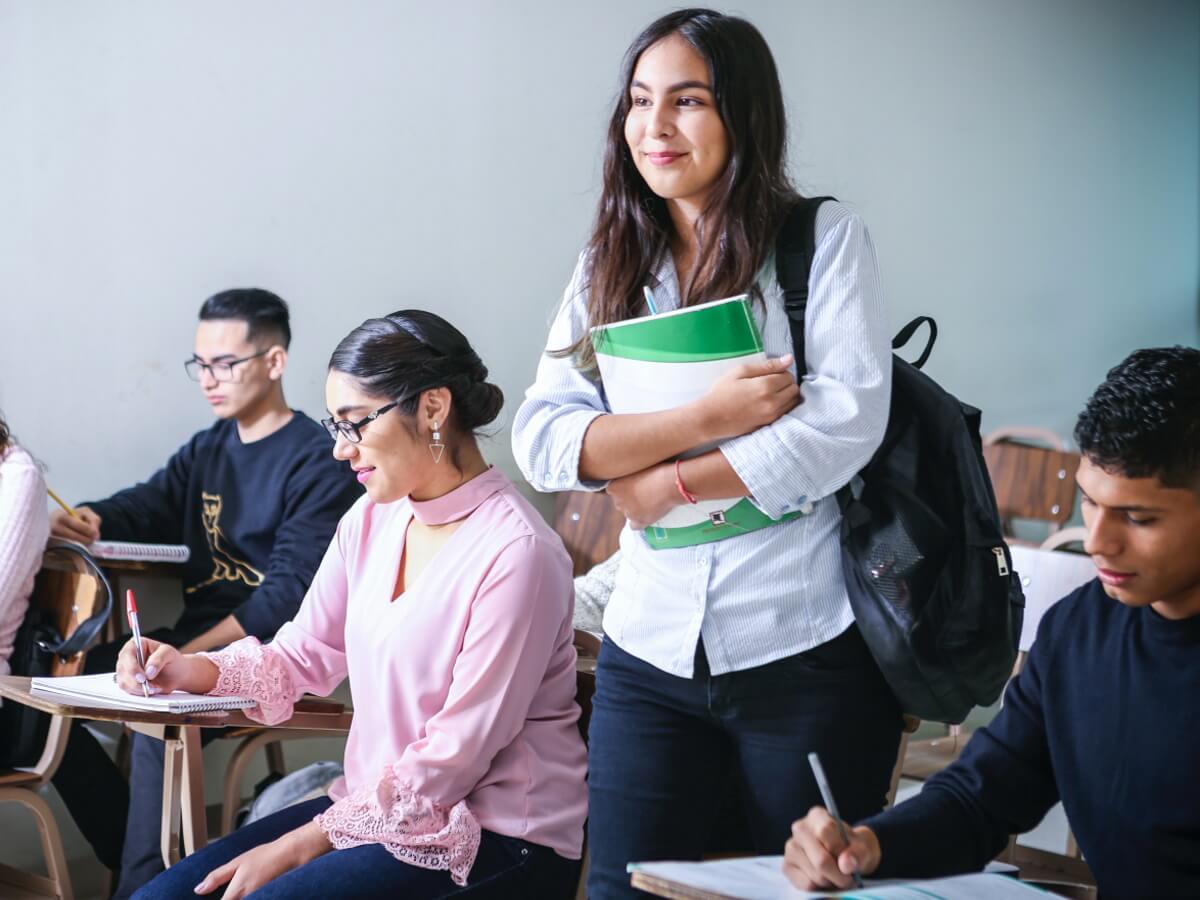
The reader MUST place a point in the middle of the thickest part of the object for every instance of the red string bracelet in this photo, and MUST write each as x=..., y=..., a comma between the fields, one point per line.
x=683, y=492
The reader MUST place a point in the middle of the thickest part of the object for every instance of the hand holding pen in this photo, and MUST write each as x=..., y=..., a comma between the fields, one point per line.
x=822, y=852
x=131, y=612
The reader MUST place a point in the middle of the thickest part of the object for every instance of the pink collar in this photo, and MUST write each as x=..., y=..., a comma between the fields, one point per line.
x=460, y=502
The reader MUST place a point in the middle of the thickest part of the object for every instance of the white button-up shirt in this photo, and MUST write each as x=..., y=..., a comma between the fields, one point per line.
x=761, y=596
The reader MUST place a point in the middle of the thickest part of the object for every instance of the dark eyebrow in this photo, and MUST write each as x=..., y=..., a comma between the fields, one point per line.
x=217, y=358
x=1135, y=508
x=342, y=410
x=676, y=88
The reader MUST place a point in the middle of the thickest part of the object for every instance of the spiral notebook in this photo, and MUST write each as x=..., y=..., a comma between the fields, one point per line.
x=101, y=690
x=137, y=552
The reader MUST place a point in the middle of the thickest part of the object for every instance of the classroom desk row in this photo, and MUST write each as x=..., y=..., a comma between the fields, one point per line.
x=184, y=826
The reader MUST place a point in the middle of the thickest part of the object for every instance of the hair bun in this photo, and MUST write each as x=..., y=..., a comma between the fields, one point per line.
x=480, y=404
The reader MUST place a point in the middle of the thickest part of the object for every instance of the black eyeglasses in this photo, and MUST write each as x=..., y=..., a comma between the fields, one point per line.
x=352, y=431
x=222, y=371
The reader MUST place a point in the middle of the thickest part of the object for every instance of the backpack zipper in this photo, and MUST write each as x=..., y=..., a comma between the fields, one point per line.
x=1001, y=563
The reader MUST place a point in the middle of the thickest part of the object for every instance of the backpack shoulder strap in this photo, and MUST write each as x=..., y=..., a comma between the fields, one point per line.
x=794, y=251
x=86, y=632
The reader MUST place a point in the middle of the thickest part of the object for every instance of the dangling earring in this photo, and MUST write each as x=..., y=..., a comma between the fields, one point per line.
x=436, y=446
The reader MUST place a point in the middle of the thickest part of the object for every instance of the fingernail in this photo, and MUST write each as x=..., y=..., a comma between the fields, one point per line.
x=151, y=671
x=139, y=677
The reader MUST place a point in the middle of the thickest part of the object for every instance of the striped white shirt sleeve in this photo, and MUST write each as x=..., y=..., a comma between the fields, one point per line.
x=818, y=447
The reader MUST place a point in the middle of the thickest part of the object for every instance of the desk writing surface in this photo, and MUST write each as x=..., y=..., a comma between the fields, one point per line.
x=762, y=878
x=17, y=688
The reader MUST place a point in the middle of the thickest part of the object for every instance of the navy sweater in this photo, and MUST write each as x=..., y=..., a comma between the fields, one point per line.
x=257, y=517
x=1105, y=716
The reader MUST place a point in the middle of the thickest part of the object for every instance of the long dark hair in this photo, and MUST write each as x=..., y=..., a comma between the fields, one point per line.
x=5, y=435
x=748, y=204
x=409, y=351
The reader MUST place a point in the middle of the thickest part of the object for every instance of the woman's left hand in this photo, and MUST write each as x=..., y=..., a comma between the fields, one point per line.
x=247, y=873
x=646, y=496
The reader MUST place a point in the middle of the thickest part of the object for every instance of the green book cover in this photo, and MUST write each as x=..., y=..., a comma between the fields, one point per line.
x=667, y=360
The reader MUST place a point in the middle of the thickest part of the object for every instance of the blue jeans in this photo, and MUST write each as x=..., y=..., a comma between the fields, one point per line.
x=505, y=868
x=663, y=749
x=141, y=854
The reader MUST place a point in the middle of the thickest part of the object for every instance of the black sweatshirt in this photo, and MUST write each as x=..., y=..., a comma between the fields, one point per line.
x=1105, y=716
x=258, y=517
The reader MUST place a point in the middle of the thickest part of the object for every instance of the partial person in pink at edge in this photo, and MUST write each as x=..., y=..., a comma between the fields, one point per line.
x=24, y=528
x=447, y=601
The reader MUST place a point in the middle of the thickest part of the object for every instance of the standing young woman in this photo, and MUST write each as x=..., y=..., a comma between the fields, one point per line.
x=447, y=601
x=733, y=658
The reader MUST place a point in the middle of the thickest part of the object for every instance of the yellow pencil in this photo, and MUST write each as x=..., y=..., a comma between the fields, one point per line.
x=59, y=500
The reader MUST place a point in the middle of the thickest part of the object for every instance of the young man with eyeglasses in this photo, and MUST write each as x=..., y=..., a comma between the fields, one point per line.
x=256, y=498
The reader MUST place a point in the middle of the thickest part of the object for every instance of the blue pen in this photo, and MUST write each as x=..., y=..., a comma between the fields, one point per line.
x=650, y=301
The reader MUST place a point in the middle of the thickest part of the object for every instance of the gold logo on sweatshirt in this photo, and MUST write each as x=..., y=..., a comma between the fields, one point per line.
x=226, y=566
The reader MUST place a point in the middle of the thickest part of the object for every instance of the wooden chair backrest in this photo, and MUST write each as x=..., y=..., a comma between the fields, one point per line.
x=585, y=687
x=1032, y=482
x=70, y=595
x=589, y=526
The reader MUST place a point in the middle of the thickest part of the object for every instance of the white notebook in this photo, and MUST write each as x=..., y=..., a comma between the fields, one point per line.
x=762, y=878
x=102, y=690
x=137, y=552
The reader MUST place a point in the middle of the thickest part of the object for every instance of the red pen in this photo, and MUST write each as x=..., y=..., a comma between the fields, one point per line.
x=131, y=612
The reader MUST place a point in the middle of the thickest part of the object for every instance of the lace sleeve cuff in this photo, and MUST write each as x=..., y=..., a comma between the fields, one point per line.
x=411, y=827
x=247, y=668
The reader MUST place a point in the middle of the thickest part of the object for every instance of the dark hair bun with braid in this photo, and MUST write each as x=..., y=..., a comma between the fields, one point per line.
x=410, y=351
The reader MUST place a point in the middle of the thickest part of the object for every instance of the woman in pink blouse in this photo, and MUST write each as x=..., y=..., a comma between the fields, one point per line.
x=446, y=600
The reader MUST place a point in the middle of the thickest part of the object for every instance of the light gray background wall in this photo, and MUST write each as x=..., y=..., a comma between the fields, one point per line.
x=1028, y=170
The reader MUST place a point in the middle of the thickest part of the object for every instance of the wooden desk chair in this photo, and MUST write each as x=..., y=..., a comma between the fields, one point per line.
x=270, y=741
x=70, y=595
x=589, y=525
x=585, y=687
x=1031, y=482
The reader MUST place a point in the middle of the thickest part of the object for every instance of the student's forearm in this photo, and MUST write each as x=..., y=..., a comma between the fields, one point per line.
x=224, y=632
x=617, y=445
x=648, y=495
x=711, y=477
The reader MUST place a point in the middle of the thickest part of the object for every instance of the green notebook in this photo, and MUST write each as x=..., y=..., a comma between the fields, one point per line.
x=664, y=361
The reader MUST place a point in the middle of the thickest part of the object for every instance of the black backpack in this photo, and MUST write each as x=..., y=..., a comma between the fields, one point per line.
x=22, y=728
x=929, y=575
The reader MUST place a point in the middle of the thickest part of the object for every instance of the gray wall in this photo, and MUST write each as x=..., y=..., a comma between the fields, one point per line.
x=1028, y=169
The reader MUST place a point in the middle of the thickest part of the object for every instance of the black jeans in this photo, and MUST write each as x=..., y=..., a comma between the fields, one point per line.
x=506, y=868
x=662, y=749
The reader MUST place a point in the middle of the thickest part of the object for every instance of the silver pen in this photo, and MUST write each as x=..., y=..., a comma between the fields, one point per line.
x=827, y=797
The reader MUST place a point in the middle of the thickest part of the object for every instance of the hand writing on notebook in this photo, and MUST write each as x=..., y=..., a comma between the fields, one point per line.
x=83, y=527
x=166, y=670
x=816, y=857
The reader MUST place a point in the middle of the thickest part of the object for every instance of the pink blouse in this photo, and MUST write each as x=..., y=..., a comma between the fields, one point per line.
x=24, y=530
x=463, y=686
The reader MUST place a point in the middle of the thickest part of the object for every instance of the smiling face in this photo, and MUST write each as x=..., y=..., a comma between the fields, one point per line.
x=674, y=132
x=253, y=381
x=1144, y=539
x=391, y=461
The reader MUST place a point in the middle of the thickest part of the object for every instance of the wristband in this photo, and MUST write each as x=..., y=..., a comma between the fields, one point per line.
x=683, y=492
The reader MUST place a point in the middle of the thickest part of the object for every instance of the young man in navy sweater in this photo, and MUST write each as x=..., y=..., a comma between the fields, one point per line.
x=256, y=498
x=1105, y=715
